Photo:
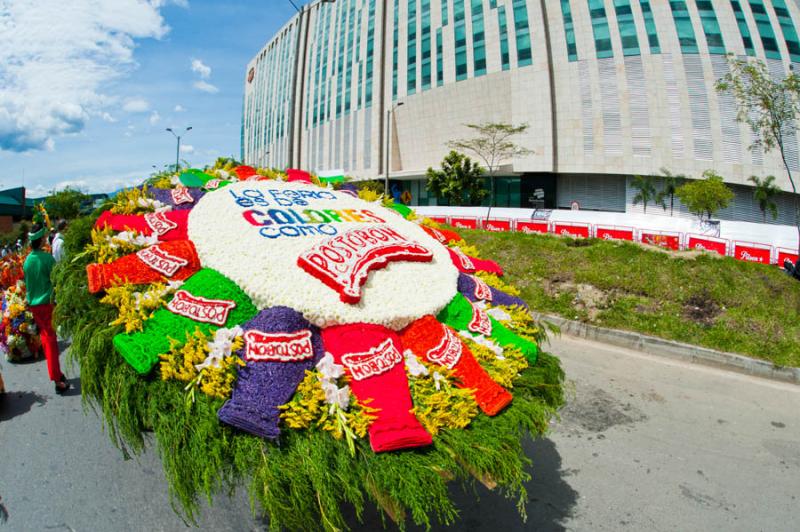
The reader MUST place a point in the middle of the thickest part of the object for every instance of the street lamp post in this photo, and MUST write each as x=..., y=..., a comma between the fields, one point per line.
x=178, y=149
x=389, y=121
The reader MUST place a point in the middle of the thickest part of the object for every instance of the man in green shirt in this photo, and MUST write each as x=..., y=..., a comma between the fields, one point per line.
x=39, y=294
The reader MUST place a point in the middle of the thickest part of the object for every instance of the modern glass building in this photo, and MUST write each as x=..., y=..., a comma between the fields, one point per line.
x=610, y=89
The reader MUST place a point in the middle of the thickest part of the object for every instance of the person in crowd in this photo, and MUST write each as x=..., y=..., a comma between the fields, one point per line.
x=39, y=294
x=792, y=269
x=58, y=241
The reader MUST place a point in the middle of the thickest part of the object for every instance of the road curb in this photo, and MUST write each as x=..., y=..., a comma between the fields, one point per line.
x=674, y=350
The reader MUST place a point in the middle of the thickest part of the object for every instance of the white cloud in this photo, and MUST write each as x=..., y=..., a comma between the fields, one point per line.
x=205, y=87
x=179, y=108
x=107, y=117
x=54, y=58
x=200, y=68
x=187, y=148
x=155, y=118
x=91, y=183
x=136, y=105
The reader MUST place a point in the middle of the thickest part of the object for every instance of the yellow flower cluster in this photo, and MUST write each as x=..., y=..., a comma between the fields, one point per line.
x=105, y=248
x=179, y=364
x=132, y=201
x=430, y=223
x=524, y=325
x=369, y=195
x=472, y=251
x=496, y=282
x=448, y=407
x=165, y=182
x=502, y=370
x=135, y=307
x=308, y=410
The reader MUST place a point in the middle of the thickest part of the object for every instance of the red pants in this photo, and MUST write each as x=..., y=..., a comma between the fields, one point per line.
x=43, y=316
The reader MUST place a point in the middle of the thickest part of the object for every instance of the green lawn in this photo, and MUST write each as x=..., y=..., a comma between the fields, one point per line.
x=709, y=301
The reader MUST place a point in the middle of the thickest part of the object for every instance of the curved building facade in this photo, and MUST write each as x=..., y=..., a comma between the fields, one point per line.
x=610, y=89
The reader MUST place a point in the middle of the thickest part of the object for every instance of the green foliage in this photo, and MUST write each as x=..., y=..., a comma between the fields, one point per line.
x=373, y=185
x=671, y=182
x=493, y=144
x=459, y=179
x=752, y=309
x=65, y=203
x=646, y=190
x=302, y=482
x=763, y=192
x=769, y=106
x=705, y=196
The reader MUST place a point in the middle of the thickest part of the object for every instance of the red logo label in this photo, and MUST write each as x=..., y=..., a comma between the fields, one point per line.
x=343, y=262
x=180, y=195
x=482, y=290
x=480, y=322
x=161, y=261
x=278, y=347
x=159, y=223
x=438, y=235
x=448, y=352
x=213, y=311
x=212, y=184
x=377, y=360
x=464, y=262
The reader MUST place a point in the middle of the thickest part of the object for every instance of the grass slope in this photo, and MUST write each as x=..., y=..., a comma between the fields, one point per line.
x=706, y=300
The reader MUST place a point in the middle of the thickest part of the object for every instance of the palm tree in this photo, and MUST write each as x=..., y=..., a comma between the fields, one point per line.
x=765, y=189
x=646, y=190
x=671, y=183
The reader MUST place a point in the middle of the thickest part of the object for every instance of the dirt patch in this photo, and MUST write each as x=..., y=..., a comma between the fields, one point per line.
x=702, y=309
x=586, y=297
x=649, y=307
x=690, y=254
x=595, y=410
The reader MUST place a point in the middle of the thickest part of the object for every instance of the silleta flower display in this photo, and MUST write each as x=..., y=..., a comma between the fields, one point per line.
x=303, y=309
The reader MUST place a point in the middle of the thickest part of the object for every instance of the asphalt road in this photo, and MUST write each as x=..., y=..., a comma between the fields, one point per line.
x=644, y=444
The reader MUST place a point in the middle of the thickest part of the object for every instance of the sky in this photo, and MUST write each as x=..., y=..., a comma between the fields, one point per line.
x=88, y=87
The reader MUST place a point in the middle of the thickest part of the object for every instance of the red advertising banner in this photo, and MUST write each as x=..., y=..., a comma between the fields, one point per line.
x=532, y=227
x=752, y=252
x=439, y=219
x=668, y=241
x=497, y=225
x=786, y=254
x=573, y=230
x=704, y=243
x=614, y=233
x=464, y=223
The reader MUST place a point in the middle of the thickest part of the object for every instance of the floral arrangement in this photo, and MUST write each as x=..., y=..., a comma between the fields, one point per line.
x=345, y=329
x=19, y=338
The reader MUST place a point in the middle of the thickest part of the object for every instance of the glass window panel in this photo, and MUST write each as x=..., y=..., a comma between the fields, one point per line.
x=650, y=26
x=522, y=33
x=765, y=31
x=627, y=27
x=683, y=25
x=602, y=35
x=788, y=29
x=569, y=30
x=744, y=30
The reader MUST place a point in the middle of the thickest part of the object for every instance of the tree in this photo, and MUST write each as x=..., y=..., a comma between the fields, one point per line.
x=493, y=145
x=765, y=189
x=458, y=179
x=705, y=196
x=671, y=184
x=771, y=109
x=65, y=203
x=646, y=190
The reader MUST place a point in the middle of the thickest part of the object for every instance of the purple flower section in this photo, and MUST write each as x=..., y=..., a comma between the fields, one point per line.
x=467, y=287
x=165, y=196
x=262, y=387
